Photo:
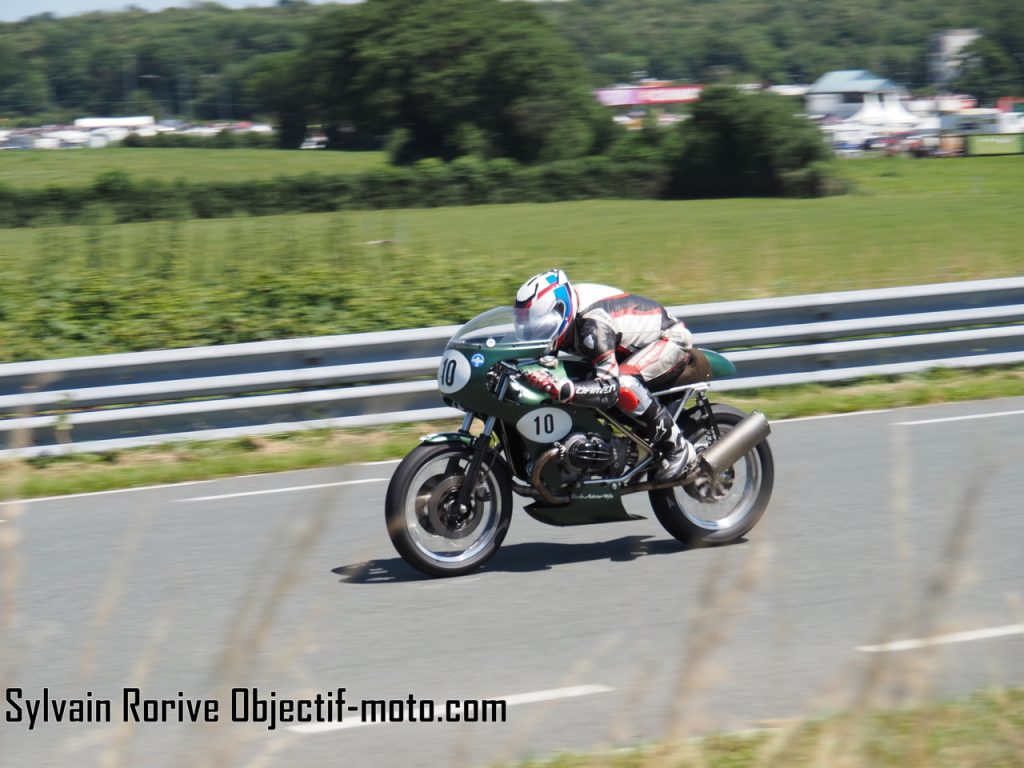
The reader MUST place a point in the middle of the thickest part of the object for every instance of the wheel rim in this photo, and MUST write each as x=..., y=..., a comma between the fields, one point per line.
x=436, y=527
x=720, y=503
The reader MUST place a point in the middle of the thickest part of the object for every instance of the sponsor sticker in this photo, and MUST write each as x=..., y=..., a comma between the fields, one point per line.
x=476, y=360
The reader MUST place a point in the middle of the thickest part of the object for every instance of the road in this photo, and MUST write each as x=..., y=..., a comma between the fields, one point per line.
x=900, y=525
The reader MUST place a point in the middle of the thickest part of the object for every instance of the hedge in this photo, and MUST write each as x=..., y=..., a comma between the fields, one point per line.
x=116, y=196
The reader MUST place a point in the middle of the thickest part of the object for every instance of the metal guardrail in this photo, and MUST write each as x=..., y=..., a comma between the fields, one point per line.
x=377, y=378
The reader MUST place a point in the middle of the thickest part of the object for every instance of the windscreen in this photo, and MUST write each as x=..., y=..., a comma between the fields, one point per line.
x=502, y=325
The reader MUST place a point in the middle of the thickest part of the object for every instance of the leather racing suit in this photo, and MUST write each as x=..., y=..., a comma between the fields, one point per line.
x=634, y=344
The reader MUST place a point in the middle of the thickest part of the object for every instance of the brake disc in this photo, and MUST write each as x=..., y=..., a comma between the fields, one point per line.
x=436, y=507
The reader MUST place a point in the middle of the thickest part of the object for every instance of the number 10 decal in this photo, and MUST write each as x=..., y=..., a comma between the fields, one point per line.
x=453, y=372
x=545, y=425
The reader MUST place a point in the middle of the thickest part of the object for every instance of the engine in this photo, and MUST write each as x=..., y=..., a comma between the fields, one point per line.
x=589, y=454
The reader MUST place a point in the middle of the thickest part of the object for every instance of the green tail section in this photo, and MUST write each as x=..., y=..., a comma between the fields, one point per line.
x=721, y=368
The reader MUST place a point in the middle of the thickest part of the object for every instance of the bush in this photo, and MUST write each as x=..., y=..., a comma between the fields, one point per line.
x=427, y=184
x=739, y=144
x=736, y=144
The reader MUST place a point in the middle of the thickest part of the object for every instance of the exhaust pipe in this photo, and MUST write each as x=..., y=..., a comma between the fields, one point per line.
x=736, y=443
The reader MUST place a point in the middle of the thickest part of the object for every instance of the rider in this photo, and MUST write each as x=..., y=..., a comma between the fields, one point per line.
x=632, y=342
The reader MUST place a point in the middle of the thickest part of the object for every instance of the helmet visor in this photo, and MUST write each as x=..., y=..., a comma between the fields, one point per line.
x=532, y=325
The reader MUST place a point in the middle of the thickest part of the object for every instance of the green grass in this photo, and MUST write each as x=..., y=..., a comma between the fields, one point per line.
x=902, y=176
x=105, y=288
x=86, y=473
x=984, y=730
x=40, y=168
x=305, y=450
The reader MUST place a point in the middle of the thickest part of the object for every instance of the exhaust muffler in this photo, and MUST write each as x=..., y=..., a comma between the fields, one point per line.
x=735, y=444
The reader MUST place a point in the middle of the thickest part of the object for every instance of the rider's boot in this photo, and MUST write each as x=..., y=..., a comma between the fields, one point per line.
x=676, y=455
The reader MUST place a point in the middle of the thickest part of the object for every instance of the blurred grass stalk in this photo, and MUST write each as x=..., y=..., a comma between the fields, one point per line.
x=978, y=732
x=882, y=721
x=882, y=711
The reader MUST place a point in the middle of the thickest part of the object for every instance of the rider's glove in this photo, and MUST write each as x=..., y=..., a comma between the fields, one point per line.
x=545, y=382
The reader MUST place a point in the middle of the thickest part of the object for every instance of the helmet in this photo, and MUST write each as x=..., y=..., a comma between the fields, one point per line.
x=545, y=308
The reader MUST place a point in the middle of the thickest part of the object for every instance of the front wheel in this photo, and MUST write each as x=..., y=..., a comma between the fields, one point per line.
x=721, y=509
x=424, y=522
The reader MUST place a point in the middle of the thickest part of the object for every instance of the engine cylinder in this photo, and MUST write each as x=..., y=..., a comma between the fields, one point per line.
x=591, y=454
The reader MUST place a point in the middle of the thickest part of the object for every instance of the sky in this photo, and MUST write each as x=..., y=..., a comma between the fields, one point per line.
x=15, y=10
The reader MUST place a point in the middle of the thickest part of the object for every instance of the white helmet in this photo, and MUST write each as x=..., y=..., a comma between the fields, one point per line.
x=545, y=308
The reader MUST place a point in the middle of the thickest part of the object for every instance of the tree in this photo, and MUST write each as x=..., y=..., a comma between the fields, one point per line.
x=988, y=71
x=739, y=144
x=278, y=83
x=483, y=76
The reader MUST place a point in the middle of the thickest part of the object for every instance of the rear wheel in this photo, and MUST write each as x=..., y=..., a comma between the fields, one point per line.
x=424, y=521
x=720, y=509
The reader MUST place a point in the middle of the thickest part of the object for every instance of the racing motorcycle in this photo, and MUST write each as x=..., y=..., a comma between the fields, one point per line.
x=449, y=503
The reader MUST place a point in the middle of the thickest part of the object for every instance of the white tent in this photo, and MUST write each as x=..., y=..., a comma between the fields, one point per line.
x=871, y=113
x=885, y=113
x=896, y=113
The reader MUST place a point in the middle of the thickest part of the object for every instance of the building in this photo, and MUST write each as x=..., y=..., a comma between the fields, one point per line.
x=845, y=93
x=855, y=106
x=944, y=61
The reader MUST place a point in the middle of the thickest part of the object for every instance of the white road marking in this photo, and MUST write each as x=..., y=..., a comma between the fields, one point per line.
x=395, y=461
x=283, y=490
x=955, y=637
x=116, y=490
x=832, y=416
x=533, y=697
x=958, y=418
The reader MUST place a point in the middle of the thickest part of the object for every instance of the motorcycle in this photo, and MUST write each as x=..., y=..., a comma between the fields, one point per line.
x=449, y=502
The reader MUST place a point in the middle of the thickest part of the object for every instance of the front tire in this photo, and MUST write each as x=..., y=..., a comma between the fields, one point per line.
x=423, y=521
x=705, y=513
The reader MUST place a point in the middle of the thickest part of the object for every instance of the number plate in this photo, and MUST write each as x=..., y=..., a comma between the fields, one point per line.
x=453, y=372
x=545, y=425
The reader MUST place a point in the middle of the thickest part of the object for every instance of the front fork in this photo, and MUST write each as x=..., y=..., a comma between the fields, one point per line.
x=480, y=447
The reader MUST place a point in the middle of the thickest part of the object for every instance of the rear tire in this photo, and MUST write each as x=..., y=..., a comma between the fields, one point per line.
x=422, y=521
x=704, y=513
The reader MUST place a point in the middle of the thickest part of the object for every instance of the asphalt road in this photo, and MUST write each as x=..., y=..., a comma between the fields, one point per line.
x=889, y=526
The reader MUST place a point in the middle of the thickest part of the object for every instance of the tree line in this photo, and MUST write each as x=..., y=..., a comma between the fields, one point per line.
x=791, y=41
x=208, y=62
x=482, y=80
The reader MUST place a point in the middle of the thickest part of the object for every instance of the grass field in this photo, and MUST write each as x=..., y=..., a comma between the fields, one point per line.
x=39, y=168
x=901, y=176
x=104, y=288
x=979, y=731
